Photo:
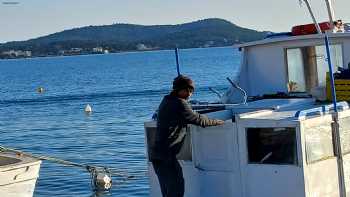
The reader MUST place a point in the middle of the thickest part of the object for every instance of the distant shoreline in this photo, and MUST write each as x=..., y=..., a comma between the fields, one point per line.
x=121, y=52
x=119, y=38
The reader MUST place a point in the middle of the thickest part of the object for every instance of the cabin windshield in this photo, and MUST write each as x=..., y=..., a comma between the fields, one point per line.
x=307, y=66
x=272, y=146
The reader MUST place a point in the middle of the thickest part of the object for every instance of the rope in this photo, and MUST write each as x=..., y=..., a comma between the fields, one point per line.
x=92, y=169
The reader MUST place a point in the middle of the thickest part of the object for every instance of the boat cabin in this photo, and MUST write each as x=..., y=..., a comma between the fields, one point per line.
x=267, y=148
x=272, y=147
x=291, y=64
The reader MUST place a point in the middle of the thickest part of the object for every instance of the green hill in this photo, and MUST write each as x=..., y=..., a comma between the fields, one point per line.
x=128, y=37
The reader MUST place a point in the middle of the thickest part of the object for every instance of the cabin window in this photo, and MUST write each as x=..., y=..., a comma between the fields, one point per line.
x=318, y=141
x=307, y=66
x=344, y=129
x=296, y=73
x=272, y=146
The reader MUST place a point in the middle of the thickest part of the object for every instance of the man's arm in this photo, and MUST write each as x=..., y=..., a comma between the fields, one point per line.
x=195, y=118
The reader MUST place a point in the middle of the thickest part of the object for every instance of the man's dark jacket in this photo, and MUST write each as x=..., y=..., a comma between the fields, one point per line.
x=173, y=115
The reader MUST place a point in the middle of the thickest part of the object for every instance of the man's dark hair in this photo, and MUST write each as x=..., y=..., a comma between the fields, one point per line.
x=182, y=82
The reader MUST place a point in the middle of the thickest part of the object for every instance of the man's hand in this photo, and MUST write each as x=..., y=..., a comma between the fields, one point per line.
x=220, y=122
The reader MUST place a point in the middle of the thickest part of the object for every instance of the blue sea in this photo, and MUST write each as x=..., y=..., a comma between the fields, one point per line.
x=123, y=89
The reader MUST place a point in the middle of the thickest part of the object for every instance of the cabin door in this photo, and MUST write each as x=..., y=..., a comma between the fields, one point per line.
x=269, y=162
x=215, y=156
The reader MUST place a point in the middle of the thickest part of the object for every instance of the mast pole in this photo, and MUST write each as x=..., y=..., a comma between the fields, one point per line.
x=330, y=11
x=313, y=16
x=177, y=61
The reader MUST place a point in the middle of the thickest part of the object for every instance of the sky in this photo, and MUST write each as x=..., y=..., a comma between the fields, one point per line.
x=34, y=18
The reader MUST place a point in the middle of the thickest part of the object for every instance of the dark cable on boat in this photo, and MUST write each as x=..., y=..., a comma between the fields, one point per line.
x=177, y=61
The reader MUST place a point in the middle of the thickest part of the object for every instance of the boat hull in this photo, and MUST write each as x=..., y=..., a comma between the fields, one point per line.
x=20, y=189
x=18, y=175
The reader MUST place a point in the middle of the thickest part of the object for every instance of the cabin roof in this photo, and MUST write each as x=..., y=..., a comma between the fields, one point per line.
x=268, y=41
x=273, y=109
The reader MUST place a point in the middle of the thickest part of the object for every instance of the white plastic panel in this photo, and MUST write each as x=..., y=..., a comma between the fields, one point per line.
x=320, y=164
x=215, y=148
x=344, y=129
x=346, y=164
x=262, y=62
x=318, y=142
x=322, y=179
x=221, y=184
x=274, y=181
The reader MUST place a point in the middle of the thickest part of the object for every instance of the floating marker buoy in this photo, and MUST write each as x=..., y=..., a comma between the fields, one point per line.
x=88, y=109
x=103, y=181
x=40, y=89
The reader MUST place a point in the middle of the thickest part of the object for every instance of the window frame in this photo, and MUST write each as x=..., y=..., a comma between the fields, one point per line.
x=302, y=46
x=296, y=146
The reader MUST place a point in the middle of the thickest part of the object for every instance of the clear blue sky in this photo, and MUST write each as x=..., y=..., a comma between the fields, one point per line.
x=34, y=18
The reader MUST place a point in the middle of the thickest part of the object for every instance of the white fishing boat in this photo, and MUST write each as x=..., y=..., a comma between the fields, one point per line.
x=283, y=141
x=18, y=174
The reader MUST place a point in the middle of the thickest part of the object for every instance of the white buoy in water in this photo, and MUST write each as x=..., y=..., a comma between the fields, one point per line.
x=88, y=109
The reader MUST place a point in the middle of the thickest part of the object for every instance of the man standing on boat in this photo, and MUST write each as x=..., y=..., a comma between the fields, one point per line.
x=174, y=114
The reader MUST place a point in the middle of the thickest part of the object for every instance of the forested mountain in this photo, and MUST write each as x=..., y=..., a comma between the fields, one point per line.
x=128, y=37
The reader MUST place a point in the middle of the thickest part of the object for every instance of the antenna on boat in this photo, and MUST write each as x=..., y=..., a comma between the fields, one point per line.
x=177, y=61
x=330, y=13
x=312, y=15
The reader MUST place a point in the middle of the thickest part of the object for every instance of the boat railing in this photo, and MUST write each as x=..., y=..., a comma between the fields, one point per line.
x=322, y=110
